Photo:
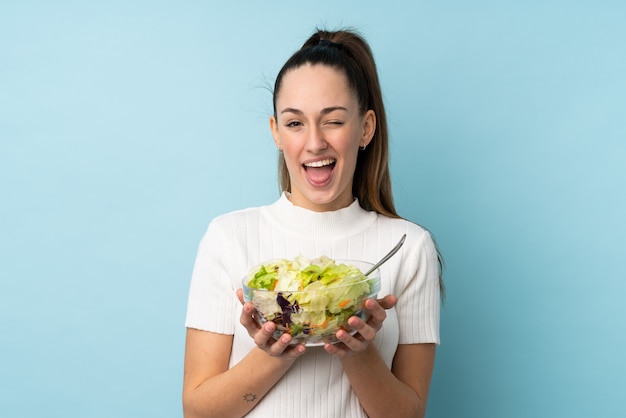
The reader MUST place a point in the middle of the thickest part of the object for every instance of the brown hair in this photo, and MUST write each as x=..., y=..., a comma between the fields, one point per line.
x=348, y=52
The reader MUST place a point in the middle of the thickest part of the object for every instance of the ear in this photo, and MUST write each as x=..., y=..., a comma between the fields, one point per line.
x=369, y=127
x=274, y=129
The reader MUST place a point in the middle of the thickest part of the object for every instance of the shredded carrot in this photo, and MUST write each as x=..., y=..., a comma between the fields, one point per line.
x=323, y=324
x=343, y=303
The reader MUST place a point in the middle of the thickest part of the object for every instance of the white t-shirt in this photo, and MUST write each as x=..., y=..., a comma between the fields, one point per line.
x=315, y=386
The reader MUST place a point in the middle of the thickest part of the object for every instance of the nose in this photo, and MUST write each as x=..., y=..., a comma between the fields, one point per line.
x=315, y=140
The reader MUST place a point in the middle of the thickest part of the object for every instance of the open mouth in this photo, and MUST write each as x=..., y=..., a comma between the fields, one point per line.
x=319, y=172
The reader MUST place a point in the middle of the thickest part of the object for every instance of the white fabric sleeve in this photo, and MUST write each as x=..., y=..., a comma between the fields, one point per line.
x=212, y=302
x=419, y=296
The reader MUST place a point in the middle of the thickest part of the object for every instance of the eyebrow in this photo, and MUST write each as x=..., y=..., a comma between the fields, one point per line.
x=324, y=111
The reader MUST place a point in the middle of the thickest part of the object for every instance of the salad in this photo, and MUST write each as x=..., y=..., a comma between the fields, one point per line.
x=309, y=299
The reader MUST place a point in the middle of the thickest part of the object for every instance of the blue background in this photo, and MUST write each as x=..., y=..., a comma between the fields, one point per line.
x=125, y=126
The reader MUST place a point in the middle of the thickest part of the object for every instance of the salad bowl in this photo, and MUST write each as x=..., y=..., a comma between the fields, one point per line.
x=310, y=299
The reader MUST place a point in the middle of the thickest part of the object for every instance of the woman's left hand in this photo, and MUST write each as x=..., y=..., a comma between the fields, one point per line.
x=365, y=330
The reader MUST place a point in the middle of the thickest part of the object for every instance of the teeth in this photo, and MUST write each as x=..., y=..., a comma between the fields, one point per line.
x=321, y=163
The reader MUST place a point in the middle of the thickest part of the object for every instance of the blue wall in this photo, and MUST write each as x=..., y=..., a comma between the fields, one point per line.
x=126, y=126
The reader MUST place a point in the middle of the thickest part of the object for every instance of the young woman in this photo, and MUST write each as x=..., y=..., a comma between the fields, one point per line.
x=330, y=129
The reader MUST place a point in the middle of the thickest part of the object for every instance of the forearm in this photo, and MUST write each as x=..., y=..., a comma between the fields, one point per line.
x=237, y=390
x=380, y=392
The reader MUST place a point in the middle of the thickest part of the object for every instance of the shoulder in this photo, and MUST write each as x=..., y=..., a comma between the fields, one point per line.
x=237, y=218
x=226, y=229
x=415, y=232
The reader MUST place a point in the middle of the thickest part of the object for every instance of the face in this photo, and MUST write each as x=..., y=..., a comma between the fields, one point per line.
x=319, y=128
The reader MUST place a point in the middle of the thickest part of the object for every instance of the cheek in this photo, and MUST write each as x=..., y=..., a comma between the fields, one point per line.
x=351, y=148
x=290, y=155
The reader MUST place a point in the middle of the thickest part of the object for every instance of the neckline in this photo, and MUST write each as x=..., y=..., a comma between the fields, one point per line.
x=329, y=225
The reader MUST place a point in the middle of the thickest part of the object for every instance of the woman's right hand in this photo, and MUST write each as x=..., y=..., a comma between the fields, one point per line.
x=262, y=335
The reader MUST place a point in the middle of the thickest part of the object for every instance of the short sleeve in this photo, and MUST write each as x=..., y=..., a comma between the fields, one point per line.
x=212, y=301
x=419, y=297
